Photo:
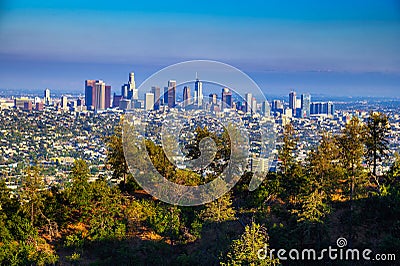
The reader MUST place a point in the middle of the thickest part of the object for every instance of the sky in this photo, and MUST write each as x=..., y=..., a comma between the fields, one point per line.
x=321, y=47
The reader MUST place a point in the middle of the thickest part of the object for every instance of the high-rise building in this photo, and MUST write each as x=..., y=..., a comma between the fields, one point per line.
x=249, y=102
x=292, y=100
x=171, y=93
x=254, y=105
x=277, y=105
x=319, y=108
x=226, y=99
x=116, y=100
x=108, y=97
x=305, y=105
x=149, y=101
x=27, y=106
x=132, y=86
x=266, y=109
x=165, y=96
x=97, y=95
x=64, y=103
x=100, y=90
x=213, y=98
x=90, y=93
x=47, y=98
x=156, y=91
x=198, y=92
x=124, y=91
x=128, y=90
x=186, y=96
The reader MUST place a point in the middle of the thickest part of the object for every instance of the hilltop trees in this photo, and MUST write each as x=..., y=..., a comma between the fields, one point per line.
x=376, y=142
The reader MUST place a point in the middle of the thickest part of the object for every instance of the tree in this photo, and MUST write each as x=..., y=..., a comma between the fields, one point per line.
x=31, y=195
x=219, y=210
x=286, y=151
x=376, y=141
x=116, y=158
x=246, y=249
x=291, y=171
x=351, y=151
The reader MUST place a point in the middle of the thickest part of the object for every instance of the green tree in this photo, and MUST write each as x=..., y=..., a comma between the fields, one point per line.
x=219, y=210
x=246, y=249
x=351, y=151
x=116, y=158
x=291, y=172
x=376, y=141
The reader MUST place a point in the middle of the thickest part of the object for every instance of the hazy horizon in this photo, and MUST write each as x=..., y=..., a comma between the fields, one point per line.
x=333, y=48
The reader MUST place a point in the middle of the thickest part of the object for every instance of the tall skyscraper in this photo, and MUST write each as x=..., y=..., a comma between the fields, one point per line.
x=266, y=109
x=47, y=98
x=305, y=105
x=171, y=93
x=149, y=101
x=132, y=86
x=198, y=91
x=124, y=91
x=97, y=95
x=226, y=99
x=292, y=100
x=108, y=97
x=165, y=96
x=254, y=105
x=100, y=90
x=326, y=108
x=186, y=96
x=128, y=90
x=90, y=93
x=156, y=91
x=213, y=98
x=249, y=102
x=64, y=103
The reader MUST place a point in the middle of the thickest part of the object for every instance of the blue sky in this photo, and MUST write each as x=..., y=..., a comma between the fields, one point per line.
x=324, y=47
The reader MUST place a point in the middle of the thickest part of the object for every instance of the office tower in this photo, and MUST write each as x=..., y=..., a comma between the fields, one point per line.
x=156, y=91
x=100, y=90
x=165, y=95
x=277, y=105
x=27, y=106
x=254, y=105
x=128, y=90
x=186, y=96
x=305, y=105
x=226, y=99
x=116, y=100
x=325, y=108
x=149, y=101
x=124, y=91
x=47, y=98
x=64, y=102
x=80, y=102
x=292, y=100
x=213, y=98
x=249, y=101
x=90, y=93
x=108, y=97
x=198, y=92
x=266, y=109
x=39, y=106
x=171, y=93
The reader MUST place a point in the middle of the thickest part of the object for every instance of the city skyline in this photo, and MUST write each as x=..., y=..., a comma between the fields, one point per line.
x=323, y=48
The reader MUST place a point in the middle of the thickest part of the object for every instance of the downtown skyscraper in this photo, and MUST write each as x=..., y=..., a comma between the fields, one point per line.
x=198, y=93
x=97, y=95
x=171, y=93
x=186, y=96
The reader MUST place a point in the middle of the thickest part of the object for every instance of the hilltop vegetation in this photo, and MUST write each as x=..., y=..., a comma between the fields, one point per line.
x=336, y=193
